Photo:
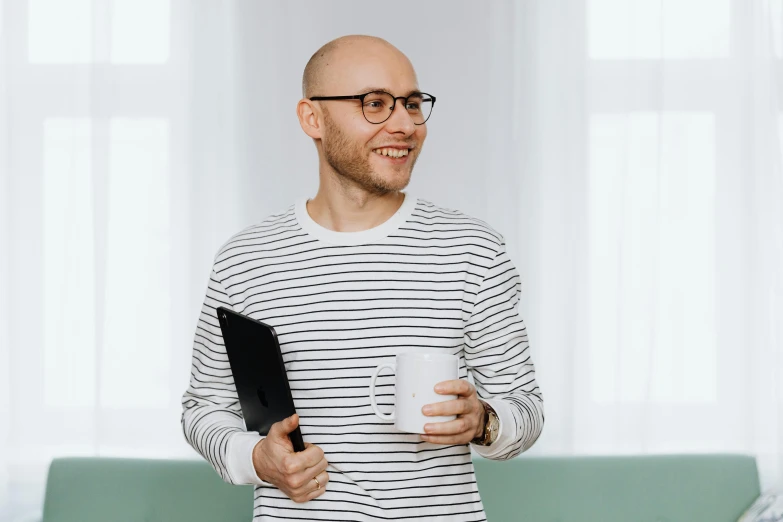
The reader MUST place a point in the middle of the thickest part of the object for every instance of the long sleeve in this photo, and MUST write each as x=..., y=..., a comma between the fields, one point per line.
x=498, y=356
x=211, y=416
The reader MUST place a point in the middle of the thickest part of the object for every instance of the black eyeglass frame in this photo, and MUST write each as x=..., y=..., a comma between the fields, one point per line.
x=361, y=97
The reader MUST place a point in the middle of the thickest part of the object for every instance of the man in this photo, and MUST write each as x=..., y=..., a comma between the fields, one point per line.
x=350, y=278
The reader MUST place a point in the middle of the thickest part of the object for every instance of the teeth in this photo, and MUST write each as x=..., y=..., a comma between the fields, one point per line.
x=393, y=153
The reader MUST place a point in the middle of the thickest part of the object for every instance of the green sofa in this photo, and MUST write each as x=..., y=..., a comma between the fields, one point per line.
x=686, y=488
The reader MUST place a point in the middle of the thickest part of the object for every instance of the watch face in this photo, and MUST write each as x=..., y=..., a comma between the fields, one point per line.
x=494, y=425
x=490, y=429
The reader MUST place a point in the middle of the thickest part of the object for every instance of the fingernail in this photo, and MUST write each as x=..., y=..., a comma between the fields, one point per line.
x=438, y=388
x=426, y=410
x=427, y=427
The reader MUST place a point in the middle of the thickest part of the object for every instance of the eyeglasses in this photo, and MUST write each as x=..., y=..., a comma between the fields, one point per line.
x=378, y=106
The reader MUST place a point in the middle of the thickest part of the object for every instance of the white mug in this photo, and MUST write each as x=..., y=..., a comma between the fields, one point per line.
x=417, y=374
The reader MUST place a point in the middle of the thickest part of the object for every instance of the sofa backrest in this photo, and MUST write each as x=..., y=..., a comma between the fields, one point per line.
x=141, y=490
x=688, y=488
x=671, y=488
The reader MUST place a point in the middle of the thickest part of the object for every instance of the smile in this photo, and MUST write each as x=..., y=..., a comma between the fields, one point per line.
x=391, y=152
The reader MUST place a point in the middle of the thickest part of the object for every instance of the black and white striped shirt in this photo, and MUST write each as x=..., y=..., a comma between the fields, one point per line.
x=342, y=302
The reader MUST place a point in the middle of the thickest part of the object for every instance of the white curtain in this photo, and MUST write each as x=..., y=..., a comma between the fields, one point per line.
x=629, y=150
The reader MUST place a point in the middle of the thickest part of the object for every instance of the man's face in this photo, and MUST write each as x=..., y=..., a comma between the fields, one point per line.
x=356, y=149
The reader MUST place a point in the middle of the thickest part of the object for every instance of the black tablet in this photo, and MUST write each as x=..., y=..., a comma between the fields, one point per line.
x=259, y=373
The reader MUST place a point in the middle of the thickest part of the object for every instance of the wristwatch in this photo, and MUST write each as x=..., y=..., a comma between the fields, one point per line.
x=491, y=427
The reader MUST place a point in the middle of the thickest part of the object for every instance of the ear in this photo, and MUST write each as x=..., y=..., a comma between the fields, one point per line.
x=310, y=118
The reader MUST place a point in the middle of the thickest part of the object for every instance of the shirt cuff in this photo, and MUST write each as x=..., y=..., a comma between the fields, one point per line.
x=239, y=458
x=505, y=431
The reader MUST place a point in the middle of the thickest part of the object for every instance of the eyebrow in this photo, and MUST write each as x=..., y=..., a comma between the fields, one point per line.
x=384, y=89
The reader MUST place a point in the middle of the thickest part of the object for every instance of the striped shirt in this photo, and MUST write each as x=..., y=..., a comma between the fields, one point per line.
x=428, y=278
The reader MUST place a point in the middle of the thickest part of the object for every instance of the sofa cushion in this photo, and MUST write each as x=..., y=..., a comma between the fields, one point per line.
x=688, y=488
x=675, y=488
x=140, y=490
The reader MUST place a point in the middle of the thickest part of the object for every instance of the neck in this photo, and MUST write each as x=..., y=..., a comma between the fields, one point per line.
x=352, y=209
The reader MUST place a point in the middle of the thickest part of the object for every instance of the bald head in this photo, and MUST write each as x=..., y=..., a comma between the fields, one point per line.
x=328, y=61
x=351, y=147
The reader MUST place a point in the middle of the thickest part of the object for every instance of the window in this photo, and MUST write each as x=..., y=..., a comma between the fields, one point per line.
x=130, y=18
x=652, y=29
x=60, y=32
x=97, y=88
x=656, y=109
x=136, y=338
x=84, y=31
x=69, y=264
x=652, y=258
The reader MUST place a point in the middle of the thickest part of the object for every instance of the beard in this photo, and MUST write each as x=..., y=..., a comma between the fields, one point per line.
x=352, y=163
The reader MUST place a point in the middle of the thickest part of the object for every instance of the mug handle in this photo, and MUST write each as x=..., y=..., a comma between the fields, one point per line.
x=384, y=416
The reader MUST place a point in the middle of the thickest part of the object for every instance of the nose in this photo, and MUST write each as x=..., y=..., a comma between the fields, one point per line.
x=400, y=120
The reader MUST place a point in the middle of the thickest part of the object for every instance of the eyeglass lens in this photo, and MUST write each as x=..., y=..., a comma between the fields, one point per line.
x=377, y=107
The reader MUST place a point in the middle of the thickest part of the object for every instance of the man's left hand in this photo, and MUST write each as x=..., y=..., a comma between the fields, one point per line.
x=469, y=423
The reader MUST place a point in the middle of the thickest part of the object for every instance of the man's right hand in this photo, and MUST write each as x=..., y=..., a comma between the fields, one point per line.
x=293, y=473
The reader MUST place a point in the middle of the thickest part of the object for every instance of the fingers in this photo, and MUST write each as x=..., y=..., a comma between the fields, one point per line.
x=455, y=407
x=314, y=471
x=311, y=456
x=281, y=429
x=311, y=489
x=292, y=472
x=300, y=483
x=459, y=387
x=467, y=408
x=323, y=478
x=285, y=426
x=455, y=427
x=294, y=463
x=459, y=431
x=300, y=486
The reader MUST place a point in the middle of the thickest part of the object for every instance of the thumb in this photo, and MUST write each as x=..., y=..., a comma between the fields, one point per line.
x=286, y=426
